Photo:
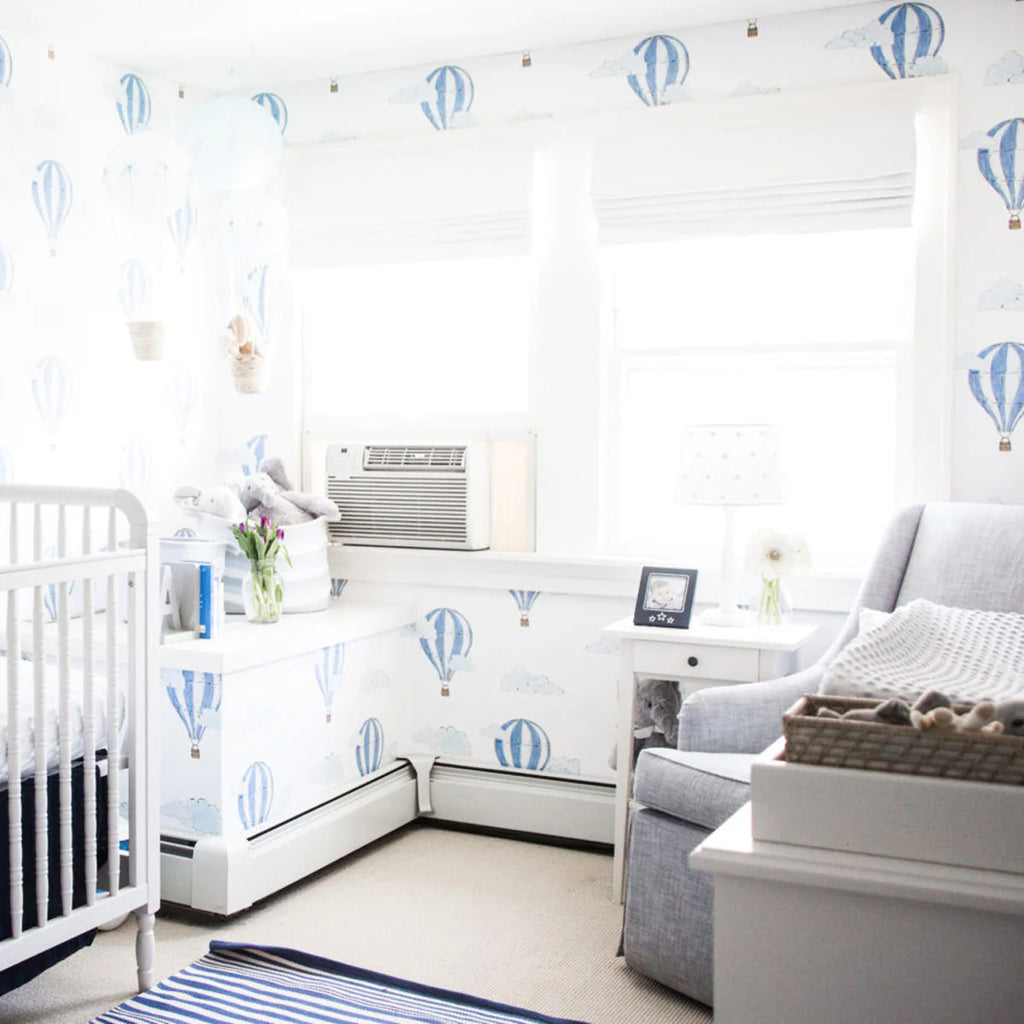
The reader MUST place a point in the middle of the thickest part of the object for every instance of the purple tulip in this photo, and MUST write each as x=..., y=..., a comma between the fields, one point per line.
x=280, y=533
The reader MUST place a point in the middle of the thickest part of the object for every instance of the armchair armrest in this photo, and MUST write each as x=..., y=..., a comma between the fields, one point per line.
x=742, y=719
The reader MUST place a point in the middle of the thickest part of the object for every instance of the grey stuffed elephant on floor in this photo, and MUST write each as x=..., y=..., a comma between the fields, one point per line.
x=655, y=716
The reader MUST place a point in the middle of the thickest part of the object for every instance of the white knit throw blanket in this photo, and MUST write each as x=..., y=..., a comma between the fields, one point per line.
x=967, y=655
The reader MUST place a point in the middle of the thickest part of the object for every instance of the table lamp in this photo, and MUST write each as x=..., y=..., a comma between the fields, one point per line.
x=729, y=465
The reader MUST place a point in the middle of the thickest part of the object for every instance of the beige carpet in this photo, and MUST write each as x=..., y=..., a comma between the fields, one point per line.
x=521, y=923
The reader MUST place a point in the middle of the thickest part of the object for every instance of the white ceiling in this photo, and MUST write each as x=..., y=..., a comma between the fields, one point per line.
x=227, y=44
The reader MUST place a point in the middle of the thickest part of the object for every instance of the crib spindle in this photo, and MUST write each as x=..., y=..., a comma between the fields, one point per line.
x=40, y=730
x=88, y=718
x=64, y=724
x=14, y=743
x=113, y=747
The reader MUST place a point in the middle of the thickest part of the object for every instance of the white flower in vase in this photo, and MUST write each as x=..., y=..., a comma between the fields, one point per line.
x=774, y=556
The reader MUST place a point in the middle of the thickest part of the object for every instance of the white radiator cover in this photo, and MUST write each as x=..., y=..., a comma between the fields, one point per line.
x=411, y=495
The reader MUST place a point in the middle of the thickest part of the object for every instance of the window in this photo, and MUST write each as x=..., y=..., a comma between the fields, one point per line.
x=803, y=330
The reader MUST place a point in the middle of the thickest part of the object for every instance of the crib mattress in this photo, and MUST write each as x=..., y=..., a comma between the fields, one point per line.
x=49, y=733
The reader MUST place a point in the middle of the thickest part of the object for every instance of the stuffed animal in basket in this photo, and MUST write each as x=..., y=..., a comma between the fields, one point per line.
x=268, y=492
x=655, y=717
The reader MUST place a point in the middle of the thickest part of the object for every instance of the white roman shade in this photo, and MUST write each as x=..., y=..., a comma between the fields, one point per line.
x=837, y=160
x=442, y=195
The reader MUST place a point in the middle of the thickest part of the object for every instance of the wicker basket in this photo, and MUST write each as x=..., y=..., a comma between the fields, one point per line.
x=877, y=746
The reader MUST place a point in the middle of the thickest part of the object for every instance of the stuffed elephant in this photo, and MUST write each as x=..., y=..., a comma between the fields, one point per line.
x=655, y=716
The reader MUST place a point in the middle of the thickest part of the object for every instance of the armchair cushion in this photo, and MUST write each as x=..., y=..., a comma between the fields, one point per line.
x=703, y=789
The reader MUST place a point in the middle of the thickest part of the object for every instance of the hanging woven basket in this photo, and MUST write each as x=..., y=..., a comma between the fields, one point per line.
x=147, y=337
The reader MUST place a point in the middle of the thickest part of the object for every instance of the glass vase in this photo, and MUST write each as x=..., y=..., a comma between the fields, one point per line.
x=773, y=605
x=262, y=592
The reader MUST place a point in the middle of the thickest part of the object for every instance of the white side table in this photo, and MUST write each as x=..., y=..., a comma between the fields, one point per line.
x=694, y=658
x=805, y=935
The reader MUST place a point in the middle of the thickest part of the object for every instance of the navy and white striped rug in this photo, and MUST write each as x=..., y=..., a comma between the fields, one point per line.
x=241, y=984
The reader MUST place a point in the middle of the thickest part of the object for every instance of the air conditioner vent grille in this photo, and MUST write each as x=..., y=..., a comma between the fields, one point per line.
x=414, y=457
x=406, y=511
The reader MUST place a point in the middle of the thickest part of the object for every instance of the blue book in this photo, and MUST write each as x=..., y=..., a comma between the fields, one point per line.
x=206, y=624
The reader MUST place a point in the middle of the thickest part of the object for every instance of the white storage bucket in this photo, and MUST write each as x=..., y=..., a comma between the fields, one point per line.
x=306, y=582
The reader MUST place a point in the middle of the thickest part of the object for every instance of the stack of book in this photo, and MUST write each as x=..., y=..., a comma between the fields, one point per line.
x=191, y=589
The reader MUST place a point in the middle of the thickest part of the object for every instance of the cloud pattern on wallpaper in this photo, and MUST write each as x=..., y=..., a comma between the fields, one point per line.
x=446, y=638
x=1003, y=295
x=328, y=674
x=195, y=814
x=51, y=392
x=275, y=107
x=997, y=384
x=1001, y=163
x=52, y=196
x=904, y=41
x=521, y=743
x=195, y=697
x=1008, y=70
x=257, y=796
x=370, y=748
x=524, y=600
x=6, y=64
x=445, y=739
x=134, y=108
x=655, y=69
x=521, y=680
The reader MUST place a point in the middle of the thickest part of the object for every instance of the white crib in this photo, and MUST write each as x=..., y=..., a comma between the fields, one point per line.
x=79, y=840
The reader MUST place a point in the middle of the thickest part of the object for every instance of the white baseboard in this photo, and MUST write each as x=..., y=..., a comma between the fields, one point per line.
x=224, y=876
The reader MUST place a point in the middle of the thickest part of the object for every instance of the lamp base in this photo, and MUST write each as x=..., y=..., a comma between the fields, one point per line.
x=725, y=615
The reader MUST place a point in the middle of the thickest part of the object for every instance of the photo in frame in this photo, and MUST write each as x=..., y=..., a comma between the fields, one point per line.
x=665, y=597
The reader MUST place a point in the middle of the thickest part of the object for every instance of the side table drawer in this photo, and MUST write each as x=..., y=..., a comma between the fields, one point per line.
x=694, y=661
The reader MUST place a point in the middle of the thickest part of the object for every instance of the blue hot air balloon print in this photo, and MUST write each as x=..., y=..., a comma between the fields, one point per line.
x=328, y=674
x=453, y=94
x=192, y=696
x=182, y=396
x=524, y=602
x=1002, y=165
x=257, y=444
x=257, y=796
x=185, y=533
x=254, y=298
x=370, y=749
x=135, y=467
x=337, y=586
x=275, y=106
x=999, y=387
x=917, y=31
x=6, y=272
x=6, y=64
x=134, y=107
x=52, y=196
x=133, y=289
x=666, y=65
x=182, y=227
x=51, y=390
x=448, y=638
x=523, y=744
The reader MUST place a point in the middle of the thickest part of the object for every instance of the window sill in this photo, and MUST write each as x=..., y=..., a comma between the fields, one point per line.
x=590, y=577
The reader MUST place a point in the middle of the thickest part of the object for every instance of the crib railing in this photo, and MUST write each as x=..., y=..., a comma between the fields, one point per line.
x=93, y=548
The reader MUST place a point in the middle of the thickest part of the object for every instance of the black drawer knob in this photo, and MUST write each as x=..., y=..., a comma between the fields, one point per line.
x=693, y=661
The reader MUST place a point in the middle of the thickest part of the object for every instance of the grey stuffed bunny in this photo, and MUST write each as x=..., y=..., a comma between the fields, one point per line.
x=655, y=716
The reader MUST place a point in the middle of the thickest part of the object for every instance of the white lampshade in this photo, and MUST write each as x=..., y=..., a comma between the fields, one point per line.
x=729, y=464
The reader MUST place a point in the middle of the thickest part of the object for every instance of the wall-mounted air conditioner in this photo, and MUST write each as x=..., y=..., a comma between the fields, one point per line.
x=411, y=495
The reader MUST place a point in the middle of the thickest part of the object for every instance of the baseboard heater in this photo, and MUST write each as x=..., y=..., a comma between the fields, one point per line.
x=221, y=875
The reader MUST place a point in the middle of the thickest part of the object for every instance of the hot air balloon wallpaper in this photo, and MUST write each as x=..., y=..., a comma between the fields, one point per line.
x=328, y=674
x=192, y=696
x=133, y=288
x=135, y=467
x=6, y=64
x=337, y=586
x=918, y=33
x=666, y=63
x=254, y=300
x=257, y=796
x=51, y=389
x=370, y=749
x=257, y=445
x=182, y=396
x=523, y=744
x=447, y=640
x=1002, y=165
x=181, y=224
x=452, y=96
x=134, y=107
x=275, y=106
x=524, y=602
x=185, y=533
x=52, y=196
x=6, y=271
x=998, y=386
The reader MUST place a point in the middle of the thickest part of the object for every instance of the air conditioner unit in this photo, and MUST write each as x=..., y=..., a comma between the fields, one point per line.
x=411, y=495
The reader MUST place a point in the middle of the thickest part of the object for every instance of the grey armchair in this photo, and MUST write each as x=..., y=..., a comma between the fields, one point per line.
x=955, y=554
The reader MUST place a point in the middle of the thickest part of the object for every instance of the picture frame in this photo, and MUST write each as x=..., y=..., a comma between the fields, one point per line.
x=665, y=597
